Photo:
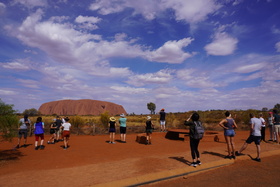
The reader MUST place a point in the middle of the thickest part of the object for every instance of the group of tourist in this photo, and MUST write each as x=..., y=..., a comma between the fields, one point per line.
x=58, y=128
x=257, y=132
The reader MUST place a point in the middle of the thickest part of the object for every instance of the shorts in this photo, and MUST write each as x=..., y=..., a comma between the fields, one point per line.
x=162, y=122
x=66, y=134
x=52, y=131
x=149, y=131
x=112, y=129
x=277, y=128
x=37, y=136
x=256, y=139
x=229, y=132
x=122, y=130
x=22, y=132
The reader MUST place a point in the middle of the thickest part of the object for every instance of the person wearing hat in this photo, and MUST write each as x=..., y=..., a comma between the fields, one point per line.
x=122, y=122
x=112, y=129
x=162, y=120
x=23, y=130
x=149, y=130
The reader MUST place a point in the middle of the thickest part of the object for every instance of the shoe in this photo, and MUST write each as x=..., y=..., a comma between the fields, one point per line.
x=24, y=145
x=237, y=153
x=49, y=142
x=257, y=159
x=17, y=146
x=193, y=164
x=270, y=140
x=42, y=147
x=109, y=142
x=113, y=142
x=37, y=147
x=233, y=157
x=229, y=157
x=65, y=148
x=198, y=162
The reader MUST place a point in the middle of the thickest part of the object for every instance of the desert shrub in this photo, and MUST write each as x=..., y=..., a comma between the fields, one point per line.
x=76, y=122
x=104, y=119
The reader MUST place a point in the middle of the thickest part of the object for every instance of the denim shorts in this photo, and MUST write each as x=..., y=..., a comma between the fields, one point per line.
x=229, y=132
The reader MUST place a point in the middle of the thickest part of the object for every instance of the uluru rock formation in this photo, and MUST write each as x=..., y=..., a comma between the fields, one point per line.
x=80, y=107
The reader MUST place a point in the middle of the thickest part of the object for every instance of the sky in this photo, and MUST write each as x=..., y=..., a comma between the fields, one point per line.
x=182, y=55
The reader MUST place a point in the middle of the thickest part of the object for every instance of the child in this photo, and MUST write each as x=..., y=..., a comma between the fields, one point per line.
x=149, y=129
x=39, y=133
x=66, y=132
x=112, y=129
x=53, y=133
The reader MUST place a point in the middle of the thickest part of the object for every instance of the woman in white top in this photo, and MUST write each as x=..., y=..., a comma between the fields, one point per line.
x=66, y=132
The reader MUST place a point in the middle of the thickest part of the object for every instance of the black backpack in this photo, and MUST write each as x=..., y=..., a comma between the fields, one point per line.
x=198, y=130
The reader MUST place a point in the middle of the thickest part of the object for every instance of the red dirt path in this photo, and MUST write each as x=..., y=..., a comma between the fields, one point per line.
x=91, y=160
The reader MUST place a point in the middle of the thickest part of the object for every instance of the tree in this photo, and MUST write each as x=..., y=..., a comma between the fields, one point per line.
x=277, y=107
x=31, y=112
x=264, y=109
x=8, y=121
x=152, y=107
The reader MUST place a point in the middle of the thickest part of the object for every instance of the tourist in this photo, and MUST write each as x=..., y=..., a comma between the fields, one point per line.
x=149, y=130
x=39, y=133
x=66, y=132
x=162, y=120
x=112, y=130
x=58, y=122
x=53, y=130
x=255, y=136
x=263, y=127
x=23, y=130
x=271, y=127
x=229, y=125
x=276, y=121
x=194, y=142
x=122, y=122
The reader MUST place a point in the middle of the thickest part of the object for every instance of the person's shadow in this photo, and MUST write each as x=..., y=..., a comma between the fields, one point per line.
x=213, y=153
x=181, y=159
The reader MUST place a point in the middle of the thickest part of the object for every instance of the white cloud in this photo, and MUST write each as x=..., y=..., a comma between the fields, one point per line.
x=222, y=45
x=129, y=90
x=171, y=52
x=7, y=92
x=29, y=83
x=15, y=65
x=88, y=22
x=160, y=77
x=277, y=46
x=249, y=68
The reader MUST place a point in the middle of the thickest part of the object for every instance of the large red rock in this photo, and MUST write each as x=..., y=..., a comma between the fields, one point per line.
x=80, y=107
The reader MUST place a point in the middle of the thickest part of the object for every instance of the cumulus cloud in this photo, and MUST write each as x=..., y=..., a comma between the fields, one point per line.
x=188, y=10
x=222, y=45
x=88, y=22
x=171, y=52
x=31, y=3
x=160, y=77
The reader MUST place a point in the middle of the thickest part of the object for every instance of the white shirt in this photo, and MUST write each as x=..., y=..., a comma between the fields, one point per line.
x=66, y=126
x=263, y=121
x=257, y=125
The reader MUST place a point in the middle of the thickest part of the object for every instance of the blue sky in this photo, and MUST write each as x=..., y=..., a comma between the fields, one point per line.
x=181, y=55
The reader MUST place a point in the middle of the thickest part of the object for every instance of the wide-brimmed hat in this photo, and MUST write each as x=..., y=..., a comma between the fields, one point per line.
x=149, y=117
x=162, y=109
x=122, y=115
x=112, y=119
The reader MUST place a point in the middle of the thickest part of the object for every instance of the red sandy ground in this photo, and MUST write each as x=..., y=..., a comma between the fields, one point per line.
x=91, y=160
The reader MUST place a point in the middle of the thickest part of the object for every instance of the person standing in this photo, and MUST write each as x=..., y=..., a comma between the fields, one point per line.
x=112, y=130
x=263, y=127
x=149, y=130
x=58, y=123
x=162, y=120
x=255, y=136
x=23, y=130
x=276, y=122
x=122, y=122
x=229, y=125
x=194, y=142
x=271, y=127
x=39, y=133
x=53, y=130
x=66, y=132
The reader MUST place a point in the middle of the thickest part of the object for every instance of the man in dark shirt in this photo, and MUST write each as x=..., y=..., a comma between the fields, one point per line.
x=58, y=123
x=162, y=120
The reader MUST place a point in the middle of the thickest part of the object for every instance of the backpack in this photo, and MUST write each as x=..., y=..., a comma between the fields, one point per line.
x=198, y=130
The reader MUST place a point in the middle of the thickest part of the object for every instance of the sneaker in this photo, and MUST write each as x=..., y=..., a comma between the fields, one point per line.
x=233, y=157
x=257, y=159
x=49, y=142
x=37, y=147
x=229, y=157
x=193, y=164
x=109, y=142
x=198, y=162
x=65, y=148
x=237, y=153
x=113, y=142
x=42, y=147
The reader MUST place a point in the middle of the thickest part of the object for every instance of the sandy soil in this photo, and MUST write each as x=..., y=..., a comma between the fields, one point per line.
x=92, y=160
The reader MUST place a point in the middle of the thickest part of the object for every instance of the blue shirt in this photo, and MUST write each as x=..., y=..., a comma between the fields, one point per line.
x=122, y=122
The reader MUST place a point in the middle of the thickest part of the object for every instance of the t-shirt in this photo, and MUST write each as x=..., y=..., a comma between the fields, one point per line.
x=263, y=121
x=23, y=124
x=276, y=119
x=122, y=122
x=270, y=120
x=149, y=124
x=162, y=116
x=39, y=128
x=58, y=123
x=66, y=126
x=257, y=126
x=112, y=124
